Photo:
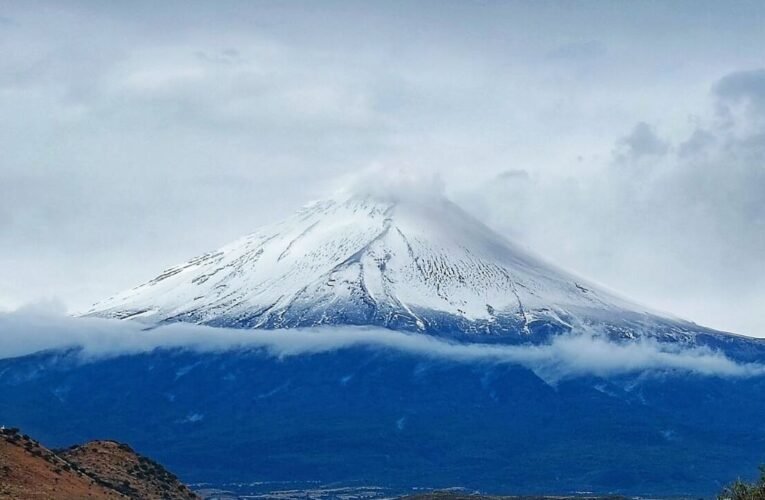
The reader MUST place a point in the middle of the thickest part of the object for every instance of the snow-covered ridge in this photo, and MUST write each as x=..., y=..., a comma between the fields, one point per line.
x=404, y=262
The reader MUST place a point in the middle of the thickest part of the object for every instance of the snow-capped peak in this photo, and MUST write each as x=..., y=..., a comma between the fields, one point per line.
x=381, y=256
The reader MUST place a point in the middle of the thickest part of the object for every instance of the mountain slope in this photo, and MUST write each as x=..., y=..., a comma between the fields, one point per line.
x=419, y=264
x=382, y=417
x=117, y=466
x=97, y=469
x=29, y=470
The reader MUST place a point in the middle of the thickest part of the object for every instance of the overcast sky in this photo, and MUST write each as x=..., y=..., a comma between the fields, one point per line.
x=624, y=141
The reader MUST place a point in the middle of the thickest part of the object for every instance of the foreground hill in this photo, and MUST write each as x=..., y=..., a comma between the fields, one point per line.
x=29, y=470
x=97, y=469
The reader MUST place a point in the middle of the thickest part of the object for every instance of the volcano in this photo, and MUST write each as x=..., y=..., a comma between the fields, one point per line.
x=249, y=419
x=404, y=262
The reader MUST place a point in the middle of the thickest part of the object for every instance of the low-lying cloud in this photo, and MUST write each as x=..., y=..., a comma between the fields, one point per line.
x=584, y=354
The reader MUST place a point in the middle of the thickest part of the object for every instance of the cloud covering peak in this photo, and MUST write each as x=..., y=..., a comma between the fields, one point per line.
x=392, y=183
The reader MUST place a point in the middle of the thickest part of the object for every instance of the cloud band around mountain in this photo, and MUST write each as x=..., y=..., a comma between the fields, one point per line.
x=581, y=354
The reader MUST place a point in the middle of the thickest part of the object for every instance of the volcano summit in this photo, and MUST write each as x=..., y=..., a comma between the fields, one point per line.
x=412, y=263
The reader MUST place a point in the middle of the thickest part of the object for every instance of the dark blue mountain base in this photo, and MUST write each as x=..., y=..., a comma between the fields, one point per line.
x=364, y=416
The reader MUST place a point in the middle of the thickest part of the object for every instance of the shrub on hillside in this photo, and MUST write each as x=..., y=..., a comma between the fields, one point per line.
x=740, y=490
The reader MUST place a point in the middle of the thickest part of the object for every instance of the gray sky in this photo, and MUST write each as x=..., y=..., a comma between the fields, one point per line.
x=625, y=142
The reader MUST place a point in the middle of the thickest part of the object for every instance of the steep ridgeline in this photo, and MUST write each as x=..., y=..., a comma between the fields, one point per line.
x=405, y=263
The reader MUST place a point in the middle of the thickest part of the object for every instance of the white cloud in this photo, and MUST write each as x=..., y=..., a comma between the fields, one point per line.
x=393, y=182
x=675, y=220
x=641, y=142
x=28, y=331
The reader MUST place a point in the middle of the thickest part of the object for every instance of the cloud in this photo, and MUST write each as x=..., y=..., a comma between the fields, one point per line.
x=641, y=142
x=676, y=221
x=698, y=144
x=392, y=182
x=578, y=51
x=743, y=86
x=584, y=354
x=514, y=175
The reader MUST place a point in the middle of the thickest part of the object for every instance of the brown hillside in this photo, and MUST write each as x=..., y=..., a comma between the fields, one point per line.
x=122, y=469
x=96, y=470
x=29, y=470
